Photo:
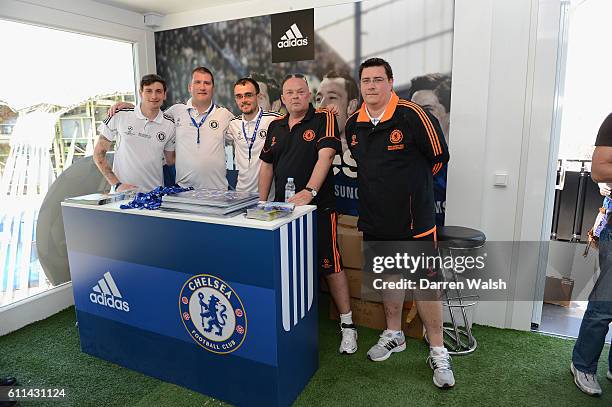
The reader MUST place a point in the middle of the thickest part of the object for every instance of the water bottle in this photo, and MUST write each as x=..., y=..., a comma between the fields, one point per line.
x=289, y=189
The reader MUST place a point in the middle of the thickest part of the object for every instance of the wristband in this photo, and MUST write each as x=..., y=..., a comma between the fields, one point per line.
x=117, y=185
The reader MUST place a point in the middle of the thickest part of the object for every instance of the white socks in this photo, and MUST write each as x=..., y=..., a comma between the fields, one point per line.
x=437, y=350
x=347, y=318
x=395, y=334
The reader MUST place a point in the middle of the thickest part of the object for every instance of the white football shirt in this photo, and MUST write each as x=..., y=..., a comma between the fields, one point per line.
x=139, y=146
x=200, y=164
x=242, y=138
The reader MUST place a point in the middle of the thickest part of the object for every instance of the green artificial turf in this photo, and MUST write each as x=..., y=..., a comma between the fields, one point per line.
x=509, y=368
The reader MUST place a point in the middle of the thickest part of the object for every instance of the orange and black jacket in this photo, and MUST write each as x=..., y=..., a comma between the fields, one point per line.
x=396, y=161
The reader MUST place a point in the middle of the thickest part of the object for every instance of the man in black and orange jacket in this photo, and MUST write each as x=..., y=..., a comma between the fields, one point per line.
x=396, y=162
x=398, y=148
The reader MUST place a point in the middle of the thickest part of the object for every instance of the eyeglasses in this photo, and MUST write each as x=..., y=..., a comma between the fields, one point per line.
x=240, y=96
x=376, y=81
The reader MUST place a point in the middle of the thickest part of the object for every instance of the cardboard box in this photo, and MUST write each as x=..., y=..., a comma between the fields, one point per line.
x=348, y=220
x=372, y=315
x=349, y=243
x=354, y=282
x=558, y=291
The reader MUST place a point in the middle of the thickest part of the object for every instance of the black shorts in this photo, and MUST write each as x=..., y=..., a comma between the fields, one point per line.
x=327, y=242
x=422, y=246
x=429, y=237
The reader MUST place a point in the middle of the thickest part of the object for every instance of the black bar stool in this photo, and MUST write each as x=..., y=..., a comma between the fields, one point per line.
x=458, y=241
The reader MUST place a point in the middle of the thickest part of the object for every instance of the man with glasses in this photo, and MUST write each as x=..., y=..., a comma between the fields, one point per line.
x=248, y=133
x=302, y=145
x=398, y=148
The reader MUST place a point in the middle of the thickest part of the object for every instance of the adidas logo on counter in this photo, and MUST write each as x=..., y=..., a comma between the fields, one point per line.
x=292, y=38
x=107, y=294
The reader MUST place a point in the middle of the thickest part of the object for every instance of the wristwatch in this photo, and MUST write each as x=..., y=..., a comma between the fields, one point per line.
x=312, y=191
x=117, y=185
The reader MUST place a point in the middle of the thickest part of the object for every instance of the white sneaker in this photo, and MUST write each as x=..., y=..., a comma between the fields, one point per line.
x=440, y=362
x=586, y=382
x=388, y=343
x=348, y=344
x=609, y=375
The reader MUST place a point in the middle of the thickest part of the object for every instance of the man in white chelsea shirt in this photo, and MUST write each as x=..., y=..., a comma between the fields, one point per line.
x=144, y=137
x=200, y=134
x=248, y=134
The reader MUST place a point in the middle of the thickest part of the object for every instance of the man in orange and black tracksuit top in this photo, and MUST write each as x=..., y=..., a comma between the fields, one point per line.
x=398, y=148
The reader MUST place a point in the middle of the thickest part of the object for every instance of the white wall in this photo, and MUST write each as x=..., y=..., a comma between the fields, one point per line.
x=503, y=92
x=249, y=8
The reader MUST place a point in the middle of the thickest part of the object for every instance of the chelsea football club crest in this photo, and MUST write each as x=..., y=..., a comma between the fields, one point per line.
x=213, y=314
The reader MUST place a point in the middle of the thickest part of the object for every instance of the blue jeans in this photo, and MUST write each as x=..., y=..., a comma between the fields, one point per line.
x=598, y=314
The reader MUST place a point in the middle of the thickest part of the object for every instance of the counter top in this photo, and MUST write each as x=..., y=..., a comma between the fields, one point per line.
x=237, y=220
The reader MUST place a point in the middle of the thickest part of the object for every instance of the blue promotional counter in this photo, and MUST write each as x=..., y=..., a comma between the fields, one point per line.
x=223, y=306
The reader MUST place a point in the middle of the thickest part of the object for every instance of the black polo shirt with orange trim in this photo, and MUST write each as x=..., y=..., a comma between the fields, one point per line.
x=396, y=161
x=294, y=153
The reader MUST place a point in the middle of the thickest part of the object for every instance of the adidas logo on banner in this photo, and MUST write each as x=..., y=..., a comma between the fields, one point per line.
x=107, y=294
x=292, y=38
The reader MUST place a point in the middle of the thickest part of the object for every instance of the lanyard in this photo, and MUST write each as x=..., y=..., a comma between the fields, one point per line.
x=244, y=133
x=198, y=125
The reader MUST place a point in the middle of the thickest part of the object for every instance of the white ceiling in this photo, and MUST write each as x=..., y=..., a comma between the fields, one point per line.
x=165, y=6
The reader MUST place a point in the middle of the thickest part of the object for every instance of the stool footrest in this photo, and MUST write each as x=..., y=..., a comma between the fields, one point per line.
x=463, y=297
x=469, y=304
x=458, y=342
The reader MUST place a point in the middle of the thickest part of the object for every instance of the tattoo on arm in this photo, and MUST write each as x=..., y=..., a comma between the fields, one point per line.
x=99, y=157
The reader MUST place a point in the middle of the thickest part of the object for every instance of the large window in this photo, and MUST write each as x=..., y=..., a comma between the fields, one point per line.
x=588, y=83
x=55, y=88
